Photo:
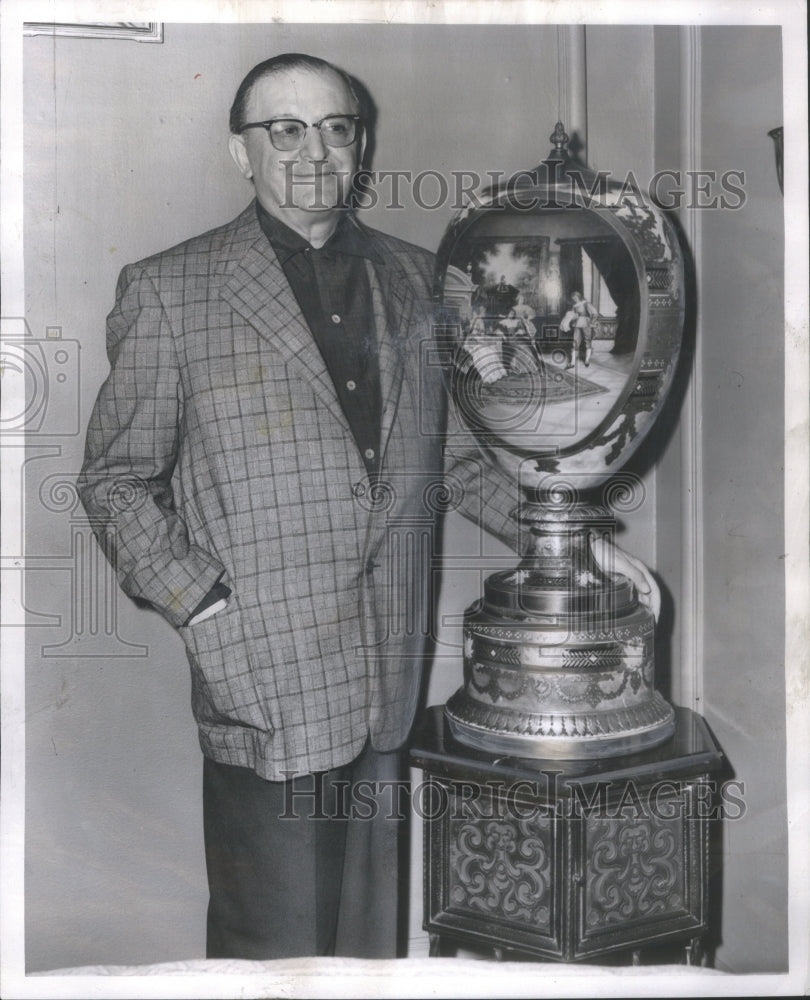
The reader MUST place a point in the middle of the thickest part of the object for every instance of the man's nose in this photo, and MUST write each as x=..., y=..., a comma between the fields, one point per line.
x=314, y=148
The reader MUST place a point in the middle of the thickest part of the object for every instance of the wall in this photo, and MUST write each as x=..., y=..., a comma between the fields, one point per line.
x=126, y=154
x=743, y=485
x=720, y=478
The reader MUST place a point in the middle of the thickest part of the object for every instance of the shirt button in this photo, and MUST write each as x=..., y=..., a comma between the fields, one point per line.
x=359, y=489
x=369, y=453
x=351, y=385
x=335, y=318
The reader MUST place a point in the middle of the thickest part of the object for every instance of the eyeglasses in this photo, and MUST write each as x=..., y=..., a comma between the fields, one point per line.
x=290, y=133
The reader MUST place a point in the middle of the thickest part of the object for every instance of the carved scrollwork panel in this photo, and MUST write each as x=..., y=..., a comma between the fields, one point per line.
x=635, y=870
x=502, y=868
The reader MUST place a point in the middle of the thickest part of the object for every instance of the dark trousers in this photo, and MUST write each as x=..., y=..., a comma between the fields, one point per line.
x=309, y=866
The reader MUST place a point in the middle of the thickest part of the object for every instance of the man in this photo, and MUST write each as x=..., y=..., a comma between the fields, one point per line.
x=267, y=413
x=580, y=318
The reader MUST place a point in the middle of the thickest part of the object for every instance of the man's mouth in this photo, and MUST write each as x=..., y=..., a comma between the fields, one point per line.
x=315, y=174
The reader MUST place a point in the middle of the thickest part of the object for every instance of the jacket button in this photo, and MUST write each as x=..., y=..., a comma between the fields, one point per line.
x=359, y=489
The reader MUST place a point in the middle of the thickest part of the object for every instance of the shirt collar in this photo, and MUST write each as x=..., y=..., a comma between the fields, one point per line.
x=348, y=238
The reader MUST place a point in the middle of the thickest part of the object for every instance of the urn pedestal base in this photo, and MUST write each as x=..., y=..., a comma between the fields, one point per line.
x=559, y=657
x=569, y=861
x=606, y=734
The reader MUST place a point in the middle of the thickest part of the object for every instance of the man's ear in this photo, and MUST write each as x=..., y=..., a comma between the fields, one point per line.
x=362, y=150
x=238, y=150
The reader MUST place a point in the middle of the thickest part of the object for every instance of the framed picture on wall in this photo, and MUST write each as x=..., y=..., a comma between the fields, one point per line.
x=138, y=31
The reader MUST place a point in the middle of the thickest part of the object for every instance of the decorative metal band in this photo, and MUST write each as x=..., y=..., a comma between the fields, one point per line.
x=567, y=515
x=537, y=580
x=485, y=651
x=593, y=658
x=566, y=657
x=533, y=636
x=570, y=725
x=558, y=689
x=488, y=682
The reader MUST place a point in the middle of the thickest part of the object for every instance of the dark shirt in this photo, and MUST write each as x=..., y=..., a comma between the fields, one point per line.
x=332, y=288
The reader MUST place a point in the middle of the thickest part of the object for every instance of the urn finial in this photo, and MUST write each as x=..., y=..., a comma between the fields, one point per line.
x=560, y=139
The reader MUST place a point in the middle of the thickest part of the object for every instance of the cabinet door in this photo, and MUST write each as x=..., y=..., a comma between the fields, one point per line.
x=641, y=872
x=493, y=868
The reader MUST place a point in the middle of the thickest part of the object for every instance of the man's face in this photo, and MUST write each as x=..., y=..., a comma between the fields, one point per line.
x=310, y=182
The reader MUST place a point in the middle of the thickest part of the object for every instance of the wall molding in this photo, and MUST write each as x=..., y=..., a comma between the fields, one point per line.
x=572, y=101
x=690, y=678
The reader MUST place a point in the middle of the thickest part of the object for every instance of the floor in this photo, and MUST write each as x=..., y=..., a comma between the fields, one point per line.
x=545, y=408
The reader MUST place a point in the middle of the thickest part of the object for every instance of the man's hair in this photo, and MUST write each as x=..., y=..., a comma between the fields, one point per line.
x=277, y=64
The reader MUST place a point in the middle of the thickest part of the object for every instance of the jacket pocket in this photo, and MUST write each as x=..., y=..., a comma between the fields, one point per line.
x=226, y=688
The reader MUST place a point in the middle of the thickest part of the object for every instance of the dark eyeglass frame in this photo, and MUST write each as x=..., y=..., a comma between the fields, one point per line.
x=267, y=125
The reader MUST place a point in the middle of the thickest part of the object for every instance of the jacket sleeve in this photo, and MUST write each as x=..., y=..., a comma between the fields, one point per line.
x=487, y=495
x=130, y=453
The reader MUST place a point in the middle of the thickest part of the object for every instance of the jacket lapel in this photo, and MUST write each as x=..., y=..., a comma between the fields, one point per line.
x=393, y=304
x=259, y=292
x=256, y=288
x=390, y=354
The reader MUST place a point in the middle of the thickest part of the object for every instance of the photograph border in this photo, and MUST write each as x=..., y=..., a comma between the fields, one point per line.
x=565, y=981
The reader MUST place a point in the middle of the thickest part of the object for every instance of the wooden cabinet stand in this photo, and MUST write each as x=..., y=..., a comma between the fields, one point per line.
x=566, y=860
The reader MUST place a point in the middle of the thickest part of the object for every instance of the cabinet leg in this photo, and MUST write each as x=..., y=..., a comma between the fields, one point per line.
x=434, y=945
x=694, y=952
x=498, y=954
x=636, y=956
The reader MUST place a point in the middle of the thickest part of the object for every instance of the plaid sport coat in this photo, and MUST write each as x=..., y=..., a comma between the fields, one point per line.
x=217, y=445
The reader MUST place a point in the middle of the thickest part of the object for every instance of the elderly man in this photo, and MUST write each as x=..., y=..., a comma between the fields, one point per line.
x=267, y=418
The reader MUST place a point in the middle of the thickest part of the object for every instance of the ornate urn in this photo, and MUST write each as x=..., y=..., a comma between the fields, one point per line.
x=561, y=306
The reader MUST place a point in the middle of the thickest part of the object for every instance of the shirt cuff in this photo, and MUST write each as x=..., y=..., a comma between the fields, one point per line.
x=215, y=600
